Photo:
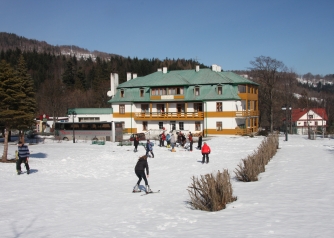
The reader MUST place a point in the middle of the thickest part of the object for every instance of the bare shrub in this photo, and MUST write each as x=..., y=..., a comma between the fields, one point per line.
x=211, y=192
x=249, y=168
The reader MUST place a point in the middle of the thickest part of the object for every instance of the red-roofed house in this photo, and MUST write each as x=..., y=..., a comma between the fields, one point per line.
x=313, y=118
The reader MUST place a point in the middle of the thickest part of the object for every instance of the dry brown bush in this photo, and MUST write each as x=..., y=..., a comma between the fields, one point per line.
x=249, y=169
x=211, y=192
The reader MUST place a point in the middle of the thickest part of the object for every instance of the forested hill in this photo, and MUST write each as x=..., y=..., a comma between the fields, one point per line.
x=10, y=41
x=64, y=81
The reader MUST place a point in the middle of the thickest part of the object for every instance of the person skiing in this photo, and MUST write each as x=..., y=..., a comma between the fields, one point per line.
x=149, y=148
x=136, y=143
x=205, y=152
x=23, y=154
x=140, y=168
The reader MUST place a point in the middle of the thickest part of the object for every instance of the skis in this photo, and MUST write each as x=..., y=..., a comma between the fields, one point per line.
x=150, y=193
x=136, y=191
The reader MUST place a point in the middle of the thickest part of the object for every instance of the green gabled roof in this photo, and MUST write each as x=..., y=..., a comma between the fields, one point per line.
x=186, y=77
x=91, y=110
x=206, y=79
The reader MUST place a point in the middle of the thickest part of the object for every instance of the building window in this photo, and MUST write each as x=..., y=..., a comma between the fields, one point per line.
x=180, y=108
x=144, y=108
x=173, y=125
x=197, y=125
x=141, y=92
x=175, y=91
x=158, y=91
x=179, y=91
x=88, y=119
x=144, y=125
x=305, y=123
x=219, y=125
x=160, y=108
x=161, y=125
x=310, y=116
x=198, y=107
x=219, y=106
x=316, y=123
x=181, y=125
x=220, y=90
x=122, y=93
x=196, y=91
x=241, y=88
x=121, y=108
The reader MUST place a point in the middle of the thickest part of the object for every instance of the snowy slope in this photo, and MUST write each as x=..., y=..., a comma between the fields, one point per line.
x=84, y=190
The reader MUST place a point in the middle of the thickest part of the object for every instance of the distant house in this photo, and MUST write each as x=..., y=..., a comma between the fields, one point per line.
x=313, y=119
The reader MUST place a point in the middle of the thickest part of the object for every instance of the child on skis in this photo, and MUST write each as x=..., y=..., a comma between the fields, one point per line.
x=140, y=168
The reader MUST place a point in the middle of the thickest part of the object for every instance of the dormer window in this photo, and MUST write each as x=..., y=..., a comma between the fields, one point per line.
x=141, y=92
x=220, y=90
x=196, y=91
x=122, y=93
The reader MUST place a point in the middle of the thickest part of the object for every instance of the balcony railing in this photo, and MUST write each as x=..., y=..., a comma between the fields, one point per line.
x=169, y=115
x=246, y=113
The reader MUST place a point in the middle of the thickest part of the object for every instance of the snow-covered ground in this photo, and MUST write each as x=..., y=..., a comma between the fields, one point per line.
x=84, y=190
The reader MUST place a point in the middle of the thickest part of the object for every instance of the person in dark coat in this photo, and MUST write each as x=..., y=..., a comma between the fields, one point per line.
x=190, y=138
x=23, y=154
x=199, y=145
x=136, y=143
x=140, y=168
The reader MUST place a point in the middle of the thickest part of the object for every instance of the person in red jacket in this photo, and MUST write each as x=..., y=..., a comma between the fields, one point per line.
x=205, y=152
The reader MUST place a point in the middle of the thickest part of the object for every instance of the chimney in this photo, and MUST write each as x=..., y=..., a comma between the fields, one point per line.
x=128, y=76
x=219, y=69
x=197, y=68
x=113, y=83
x=164, y=70
x=134, y=75
x=214, y=67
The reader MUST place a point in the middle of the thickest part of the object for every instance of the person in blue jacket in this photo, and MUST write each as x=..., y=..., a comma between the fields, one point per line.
x=23, y=154
x=149, y=148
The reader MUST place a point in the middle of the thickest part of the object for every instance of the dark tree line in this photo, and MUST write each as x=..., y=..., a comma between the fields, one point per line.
x=62, y=82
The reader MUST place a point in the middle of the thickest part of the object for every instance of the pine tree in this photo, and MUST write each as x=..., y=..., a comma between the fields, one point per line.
x=9, y=101
x=27, y=106
x=17, y=99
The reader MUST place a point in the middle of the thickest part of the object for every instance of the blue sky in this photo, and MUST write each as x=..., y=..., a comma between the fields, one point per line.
x=300, y=33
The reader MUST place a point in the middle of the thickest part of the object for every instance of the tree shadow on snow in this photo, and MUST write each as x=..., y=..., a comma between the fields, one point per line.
x=38, y=155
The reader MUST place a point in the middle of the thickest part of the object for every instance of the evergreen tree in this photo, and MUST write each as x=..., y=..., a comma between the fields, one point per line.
x=69, y=76
x=17, y=99
x=9, y=101
x=27, y=105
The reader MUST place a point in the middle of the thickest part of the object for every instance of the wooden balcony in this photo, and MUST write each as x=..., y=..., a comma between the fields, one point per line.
x=247, y=113
x=185, y=116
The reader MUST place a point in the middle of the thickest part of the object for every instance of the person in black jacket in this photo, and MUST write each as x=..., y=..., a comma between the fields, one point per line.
x=199, y=146
x=136, y=143
x=140, y=168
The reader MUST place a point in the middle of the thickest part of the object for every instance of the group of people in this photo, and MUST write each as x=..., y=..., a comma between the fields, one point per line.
x=142, y=163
